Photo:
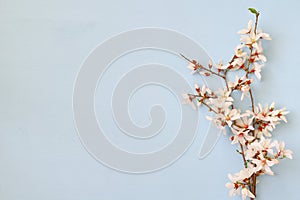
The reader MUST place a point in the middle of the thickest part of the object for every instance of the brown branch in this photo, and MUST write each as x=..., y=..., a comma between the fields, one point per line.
x=256, y=22
x=225, y=79
x=247, y=72
x=253, y=188
x=210, y=108
x=202, y=67
x=252, y=99
x=243, y=155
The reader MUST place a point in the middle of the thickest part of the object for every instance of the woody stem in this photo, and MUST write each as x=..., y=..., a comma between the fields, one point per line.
x=253, y=186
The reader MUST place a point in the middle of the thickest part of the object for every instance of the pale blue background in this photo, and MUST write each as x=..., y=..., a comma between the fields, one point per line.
x=42, y=46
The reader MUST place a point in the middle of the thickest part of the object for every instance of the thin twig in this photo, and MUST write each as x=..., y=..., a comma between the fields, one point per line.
x=210, y=108
x=256, y=22
x=252, y=99
x=202, y=67
x=243, y=155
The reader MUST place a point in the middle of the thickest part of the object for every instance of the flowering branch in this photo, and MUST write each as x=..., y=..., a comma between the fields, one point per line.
x=250, y=129
x=196, y=66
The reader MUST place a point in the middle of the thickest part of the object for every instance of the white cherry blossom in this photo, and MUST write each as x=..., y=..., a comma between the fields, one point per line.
x=230, y=115
x=256, y=69
x=264, y=164
x=240, y=136
x=246, y=30
x=281, y=151
x=264, y=36
x=250, y=39
x=245, y=122
x=233, y=186
x=188, y=99
x=246, y=193
x=258, y=55
x=239, y=53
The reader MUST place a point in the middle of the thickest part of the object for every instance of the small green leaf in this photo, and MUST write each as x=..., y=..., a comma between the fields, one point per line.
x=253, y=10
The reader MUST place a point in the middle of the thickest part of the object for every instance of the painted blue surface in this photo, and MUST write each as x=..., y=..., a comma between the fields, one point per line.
x=42, y=46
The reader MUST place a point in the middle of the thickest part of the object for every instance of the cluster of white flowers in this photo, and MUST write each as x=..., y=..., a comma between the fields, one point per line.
x=250, y=129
